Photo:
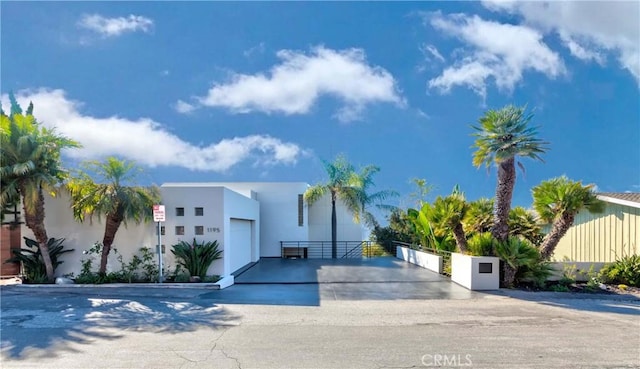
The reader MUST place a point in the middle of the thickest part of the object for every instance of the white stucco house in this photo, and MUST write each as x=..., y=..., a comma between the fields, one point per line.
x=250, y=220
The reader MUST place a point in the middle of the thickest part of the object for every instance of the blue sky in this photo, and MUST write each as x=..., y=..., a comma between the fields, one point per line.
x=230, y=91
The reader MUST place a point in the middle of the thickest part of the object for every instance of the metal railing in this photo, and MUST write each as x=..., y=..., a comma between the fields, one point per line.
x=446, y=255
x=323, y=249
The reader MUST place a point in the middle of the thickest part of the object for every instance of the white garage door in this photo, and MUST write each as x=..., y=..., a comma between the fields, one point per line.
x=240, y=243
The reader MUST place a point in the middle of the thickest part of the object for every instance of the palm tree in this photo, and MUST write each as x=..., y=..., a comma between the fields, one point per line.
x=524, y=223
x=501, y=136
x=479, y=217
x=339, y=186
x=30, y=164
x=557, y=201
x=362, y=182
x=446, y=214
x=112, y=198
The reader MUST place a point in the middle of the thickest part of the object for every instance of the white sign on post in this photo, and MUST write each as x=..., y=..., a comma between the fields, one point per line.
x=159, y=216
x=158, y=213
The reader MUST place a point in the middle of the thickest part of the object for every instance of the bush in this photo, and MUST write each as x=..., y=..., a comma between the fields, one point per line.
x=625, y=270
x=522, y=262
x=196, y=257
x=482, y=244
x=32, y=263
x=129, y=271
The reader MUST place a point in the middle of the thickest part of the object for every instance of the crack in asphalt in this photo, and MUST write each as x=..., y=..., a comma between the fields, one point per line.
x=215, y=347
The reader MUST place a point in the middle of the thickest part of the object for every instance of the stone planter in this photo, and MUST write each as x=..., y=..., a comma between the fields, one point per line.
x=477, y=273
x=420, y=258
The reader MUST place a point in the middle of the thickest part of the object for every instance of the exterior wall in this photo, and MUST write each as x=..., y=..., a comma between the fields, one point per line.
x=219, y=206
x=278, y=211
x=602, y=237
x=320, y=222
x=59, y=223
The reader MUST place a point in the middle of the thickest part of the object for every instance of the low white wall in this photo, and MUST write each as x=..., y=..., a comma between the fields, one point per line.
x=578, y=270
x=465, y=271
x=420, y=258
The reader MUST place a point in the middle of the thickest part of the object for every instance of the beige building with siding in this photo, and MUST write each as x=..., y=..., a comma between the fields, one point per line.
x=607, y=236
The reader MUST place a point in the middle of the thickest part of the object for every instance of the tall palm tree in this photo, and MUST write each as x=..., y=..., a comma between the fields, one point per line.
x=112, y=197
x=502, y=135
x=30, y=165
x=339, y=186
x=362, y=182
x=557, y=201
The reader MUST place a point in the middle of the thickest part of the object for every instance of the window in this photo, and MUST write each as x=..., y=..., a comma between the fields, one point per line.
x=199, y=212
x=180, y=230
x=199, y=230
x=300, y=210
x=161, y=230
x=179, y=212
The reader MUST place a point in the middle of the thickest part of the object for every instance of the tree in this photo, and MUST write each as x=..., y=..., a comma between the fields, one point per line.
x=339, y=186
x=30, y=165
x=362, y=182
x=446, y=214
x=502, y=135
x=479, y=217
x=524, y=223
x=112, y=197
x=557, y=201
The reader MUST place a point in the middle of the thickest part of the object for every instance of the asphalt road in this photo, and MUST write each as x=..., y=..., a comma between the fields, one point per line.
x=276, y=326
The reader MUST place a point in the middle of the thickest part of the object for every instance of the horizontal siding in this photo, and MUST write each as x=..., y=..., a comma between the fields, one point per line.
x=602, y=237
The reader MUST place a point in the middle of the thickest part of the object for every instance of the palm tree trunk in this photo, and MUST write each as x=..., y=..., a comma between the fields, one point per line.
x=504, y=193
x=558, y=229
x=461, y=240
x=113, y=223
x=509, y=275
x=35, y=221
x=334, y=227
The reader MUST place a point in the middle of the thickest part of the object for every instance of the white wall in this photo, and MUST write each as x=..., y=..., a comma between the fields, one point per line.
x=320, y=222
x=220, y=205
x=59, y=223
x=278, y=211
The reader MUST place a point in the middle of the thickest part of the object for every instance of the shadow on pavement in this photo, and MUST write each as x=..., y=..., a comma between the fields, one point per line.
x=595, y=302
x=46, y=322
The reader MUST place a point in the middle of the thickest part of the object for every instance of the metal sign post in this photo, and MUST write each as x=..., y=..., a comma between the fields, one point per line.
x=159, y=216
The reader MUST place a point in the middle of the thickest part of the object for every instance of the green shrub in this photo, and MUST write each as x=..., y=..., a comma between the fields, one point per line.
x=129, y=271
x=32, y=262
x=523, y=262
x=482, y=244
x=196, y=257
x=625, y=270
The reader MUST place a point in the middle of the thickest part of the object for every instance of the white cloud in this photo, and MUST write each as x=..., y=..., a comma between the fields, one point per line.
x=258, y=49
x=602, y=25
x=431, y=51
x=296, y=84
x=502, y=52
x=148, y=142
x=582, y=52
x=184, y=107
x=111, y=27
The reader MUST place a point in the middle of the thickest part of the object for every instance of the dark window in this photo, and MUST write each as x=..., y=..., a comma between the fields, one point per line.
x=300, y=210
x=180, y=230
x=179, y=212
x=199, y=229
x=161, y=230
x=199, y=212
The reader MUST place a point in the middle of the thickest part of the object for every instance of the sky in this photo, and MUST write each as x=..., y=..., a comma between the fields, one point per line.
x=267, y=91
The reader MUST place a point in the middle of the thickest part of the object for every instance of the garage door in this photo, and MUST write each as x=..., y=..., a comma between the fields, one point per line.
x=240, y=250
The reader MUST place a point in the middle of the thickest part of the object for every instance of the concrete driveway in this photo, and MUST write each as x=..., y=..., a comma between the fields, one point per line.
x=308, y=282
